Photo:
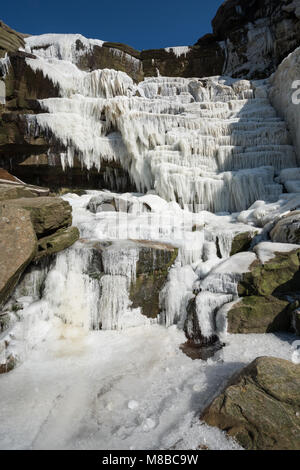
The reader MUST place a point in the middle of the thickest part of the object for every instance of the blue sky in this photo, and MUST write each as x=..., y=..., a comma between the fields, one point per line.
x=141, y=24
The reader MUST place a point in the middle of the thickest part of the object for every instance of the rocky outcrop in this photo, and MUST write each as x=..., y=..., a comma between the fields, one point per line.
x=31, y=227
x=266, y=291
x=58, y=241
x=287, y=229
x=115, y=56
x=260, y=407
x=34, y=157
x=18, y=245
x=242, y=242
x=204, y=59
x=155, y=260
x=13, y=188
x=151, y=263
x=48, y=214
x=296, y=320
x=10, y=40
x=10, y=191
x=256, y=314
x=250, y=39
x=275, y=272
x=285, y=96
x=256, y=35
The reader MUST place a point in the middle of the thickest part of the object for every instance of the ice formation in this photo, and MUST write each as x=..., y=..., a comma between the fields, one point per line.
x=63, y=46
x=214, y=143
x=178, y=50
x=4, y=65
x=259, y=44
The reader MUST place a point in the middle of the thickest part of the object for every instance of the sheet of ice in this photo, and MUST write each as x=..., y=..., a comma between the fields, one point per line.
x=74, y=389
x=176, y=293
x=221, y=318
x=267, y=250
x=261, y=212
x=207, y=304
x=236, y=264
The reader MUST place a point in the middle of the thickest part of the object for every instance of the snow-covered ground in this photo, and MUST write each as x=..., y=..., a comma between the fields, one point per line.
x=132, y=389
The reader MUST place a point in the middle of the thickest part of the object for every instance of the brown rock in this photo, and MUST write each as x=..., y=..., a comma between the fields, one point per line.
x=260, y=407
x=48, y=214
x=18, y=246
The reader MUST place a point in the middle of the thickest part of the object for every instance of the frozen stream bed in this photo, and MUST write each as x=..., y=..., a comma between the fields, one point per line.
x=131, y=389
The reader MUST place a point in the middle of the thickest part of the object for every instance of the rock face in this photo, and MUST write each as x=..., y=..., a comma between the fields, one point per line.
x=91, y=55
x=150, y=266
x=31, y=228
x=13, y=188
x=204, y=59
x=264, y=306
x=58, y=241
x=285, y=96
x=255, y=314
x=250, y=39
x=296, y=320
x=260, y=407
x=10, y=40
x=287, y=229
x=48, y=214
x=153, y=265
x=256, y=35
x=18, y=245
x=193, y=330
x=242, y=242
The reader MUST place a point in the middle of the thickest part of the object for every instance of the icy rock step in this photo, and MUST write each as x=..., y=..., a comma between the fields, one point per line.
x=290, y=177
x=219, y=192
x=107, y=285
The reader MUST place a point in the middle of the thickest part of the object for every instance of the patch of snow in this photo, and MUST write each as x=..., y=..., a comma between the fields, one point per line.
x=178, y=50
x=267, y=250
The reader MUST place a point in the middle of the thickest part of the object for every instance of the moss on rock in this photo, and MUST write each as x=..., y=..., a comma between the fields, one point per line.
x=241, y=242
x=279, y=275
x=260, y=406
x=256, y=314
x=155, y=260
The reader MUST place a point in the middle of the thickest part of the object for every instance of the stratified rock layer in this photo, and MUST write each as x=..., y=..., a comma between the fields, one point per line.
x=48, y=214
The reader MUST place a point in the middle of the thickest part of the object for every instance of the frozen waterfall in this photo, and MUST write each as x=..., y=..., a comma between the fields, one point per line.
x=213, y=143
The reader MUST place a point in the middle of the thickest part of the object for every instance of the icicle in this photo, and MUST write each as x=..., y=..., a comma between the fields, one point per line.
x=4, y=65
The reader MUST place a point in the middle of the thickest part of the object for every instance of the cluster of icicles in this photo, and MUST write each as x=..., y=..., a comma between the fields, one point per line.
x=215, y=144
